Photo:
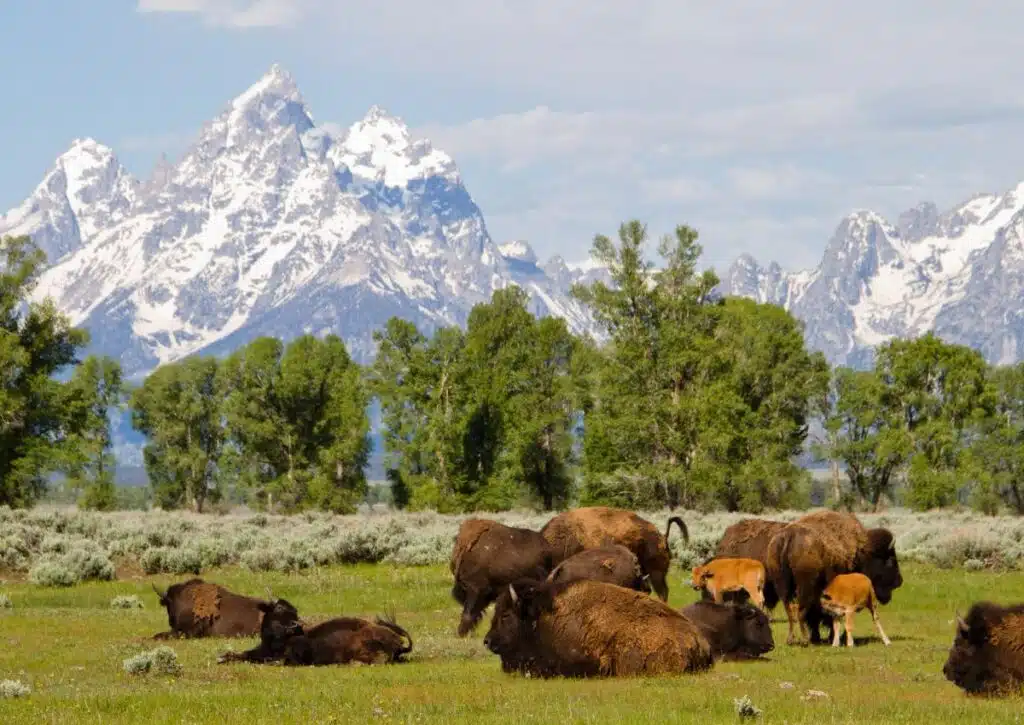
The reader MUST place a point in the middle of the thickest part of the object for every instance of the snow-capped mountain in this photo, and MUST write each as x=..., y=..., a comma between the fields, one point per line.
x=272, y=225
x=959, y=274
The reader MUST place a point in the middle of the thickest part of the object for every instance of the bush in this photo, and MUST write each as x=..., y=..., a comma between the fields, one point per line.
x=161, y=661
x=126, y=602
x=5, y=602
x=14, y=688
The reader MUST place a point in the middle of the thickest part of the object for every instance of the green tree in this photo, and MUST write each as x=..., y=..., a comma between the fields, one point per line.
x=997, y=452
x=93, y=394
x=36, y=344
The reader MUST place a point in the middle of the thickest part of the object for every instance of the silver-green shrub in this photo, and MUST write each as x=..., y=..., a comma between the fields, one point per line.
x=162, y=661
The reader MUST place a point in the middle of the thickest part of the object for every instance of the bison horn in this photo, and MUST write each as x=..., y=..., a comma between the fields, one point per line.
x=960, y=623
x=512, y=593
x=270, y=595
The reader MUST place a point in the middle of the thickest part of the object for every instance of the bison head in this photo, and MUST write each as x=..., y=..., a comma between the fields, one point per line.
x=754, y=630
x=974, y=664
x=881, y=565
x=514, y=624
x=280, y=623
x=698, y=576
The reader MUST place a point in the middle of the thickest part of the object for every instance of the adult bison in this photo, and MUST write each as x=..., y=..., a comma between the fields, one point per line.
x=337, y=641
x=734, y=631
x=198, y=608
x=487, y=557
x=586, y=628
x=987, y=656
x=748, y=539
x=595, y=526
x=614, y=564
x=807, y=553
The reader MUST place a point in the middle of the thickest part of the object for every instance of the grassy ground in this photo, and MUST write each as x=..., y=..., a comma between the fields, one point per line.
x=68, y=645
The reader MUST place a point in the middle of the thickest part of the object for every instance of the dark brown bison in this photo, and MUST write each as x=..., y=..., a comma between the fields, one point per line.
x=336, y=641
x=614, y=564
x=987, y=656
x=804, y=556
x=197, y=608
x=487, y=557
x=734, y=631
x=595, y=526
x=748, y=539
x=586, y=628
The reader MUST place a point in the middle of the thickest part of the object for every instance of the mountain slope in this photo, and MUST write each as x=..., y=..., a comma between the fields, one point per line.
x=270, y=224
x=960, y=274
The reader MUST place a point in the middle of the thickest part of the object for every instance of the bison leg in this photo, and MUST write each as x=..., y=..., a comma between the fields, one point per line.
x=257, y=655
x=793, y=615
x=835, y=636
x=850, y=613
x=659, y=584
x=473, y=609
x=878, y=624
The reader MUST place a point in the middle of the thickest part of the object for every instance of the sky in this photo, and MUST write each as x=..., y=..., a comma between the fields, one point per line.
x=760, y=127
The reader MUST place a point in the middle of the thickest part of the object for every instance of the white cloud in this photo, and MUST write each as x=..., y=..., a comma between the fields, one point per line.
x=232, y=13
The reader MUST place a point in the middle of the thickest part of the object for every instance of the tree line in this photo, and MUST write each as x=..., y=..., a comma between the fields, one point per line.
x=690, y=400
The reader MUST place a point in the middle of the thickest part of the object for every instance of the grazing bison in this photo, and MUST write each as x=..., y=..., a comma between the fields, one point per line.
x=809, y=552
x=589, y=528
x=487, y=557
x=587, y=628
x=846, y=595
x=197, y=608
x=337, y=641
x=748, y=539
x=734, y=631
x=614, y=564
x=987, y=656
x=719, y=576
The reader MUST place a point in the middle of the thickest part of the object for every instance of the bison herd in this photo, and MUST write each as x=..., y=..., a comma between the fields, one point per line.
x=575, y=600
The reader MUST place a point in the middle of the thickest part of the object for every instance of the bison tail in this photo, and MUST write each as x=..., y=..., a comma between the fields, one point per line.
x=682, y=527
x=389, y=622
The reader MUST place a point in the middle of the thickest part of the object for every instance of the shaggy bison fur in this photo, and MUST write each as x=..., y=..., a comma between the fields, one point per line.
x=487, y=557
x=336, y=641
x=197, y=608
x=587, y=628
x=614, y=564
x=987, y=656
x=748, y=539
x=592, y=527
x=734, y=631
x=805, y=555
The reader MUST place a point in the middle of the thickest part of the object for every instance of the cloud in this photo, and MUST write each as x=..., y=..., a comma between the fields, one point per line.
x=232, y=13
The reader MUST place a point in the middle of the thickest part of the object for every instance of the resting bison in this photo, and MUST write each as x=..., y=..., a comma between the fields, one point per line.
x=198, y=608
x=987, y=656
x=596, y=526
x=809, y=552
x=487, y=557
x=334, y=642
x=734, y=631
x=586, y=628
x=614, y=564
x=748, y=539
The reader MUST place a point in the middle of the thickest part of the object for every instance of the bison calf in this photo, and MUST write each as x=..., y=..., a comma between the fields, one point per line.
x=613, y=564
x=731, y=575
x=734, y=631
x=197, y=608
x=987, y=656
x=846, y=595
x=587, y=628
x=337, y=641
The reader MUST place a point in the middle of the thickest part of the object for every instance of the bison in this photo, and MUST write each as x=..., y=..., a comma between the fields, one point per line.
x=846, y=595
x=987, y=656
x=589, y=528
x=614, y=564
x=488, y=556
x=719, y=576
x=336, y=641
x=586, y=628
x=748, y=539
x=809, y=552
x=197, y=608
x=734, y=631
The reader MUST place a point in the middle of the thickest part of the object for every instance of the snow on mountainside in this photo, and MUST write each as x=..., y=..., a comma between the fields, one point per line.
x=272, y=225
x=960, y=274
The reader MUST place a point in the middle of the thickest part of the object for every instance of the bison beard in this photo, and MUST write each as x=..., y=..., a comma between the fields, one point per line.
x=591, y=527
x=749, y=539
x=613, y=564
x=587, y=628
x=987, y=656
x=197, y=608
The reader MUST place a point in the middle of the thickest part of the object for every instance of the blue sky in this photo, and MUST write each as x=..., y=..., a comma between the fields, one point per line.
x=762, y=128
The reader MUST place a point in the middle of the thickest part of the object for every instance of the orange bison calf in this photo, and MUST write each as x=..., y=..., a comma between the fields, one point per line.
x=730, y=575
x=846, y=595
x=587, y=628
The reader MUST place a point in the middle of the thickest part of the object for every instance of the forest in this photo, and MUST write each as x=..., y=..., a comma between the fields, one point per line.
x=690, y=400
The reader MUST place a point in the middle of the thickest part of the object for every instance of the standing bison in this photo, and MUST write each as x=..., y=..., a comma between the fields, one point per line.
x=614, y=564
x=748, y=539
x=487, y=557
x=586, y=628
x=987, y=656
x=596, y=526
x=197, y=608
x=804, y=556
x=337, y=641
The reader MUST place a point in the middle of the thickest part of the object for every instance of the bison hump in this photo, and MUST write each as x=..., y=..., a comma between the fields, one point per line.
x=205, y=600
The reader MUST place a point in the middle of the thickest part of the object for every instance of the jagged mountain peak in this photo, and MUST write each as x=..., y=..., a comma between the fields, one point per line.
x=518, y=250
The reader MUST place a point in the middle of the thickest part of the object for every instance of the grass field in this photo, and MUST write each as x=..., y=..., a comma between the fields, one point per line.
x=68, y=645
